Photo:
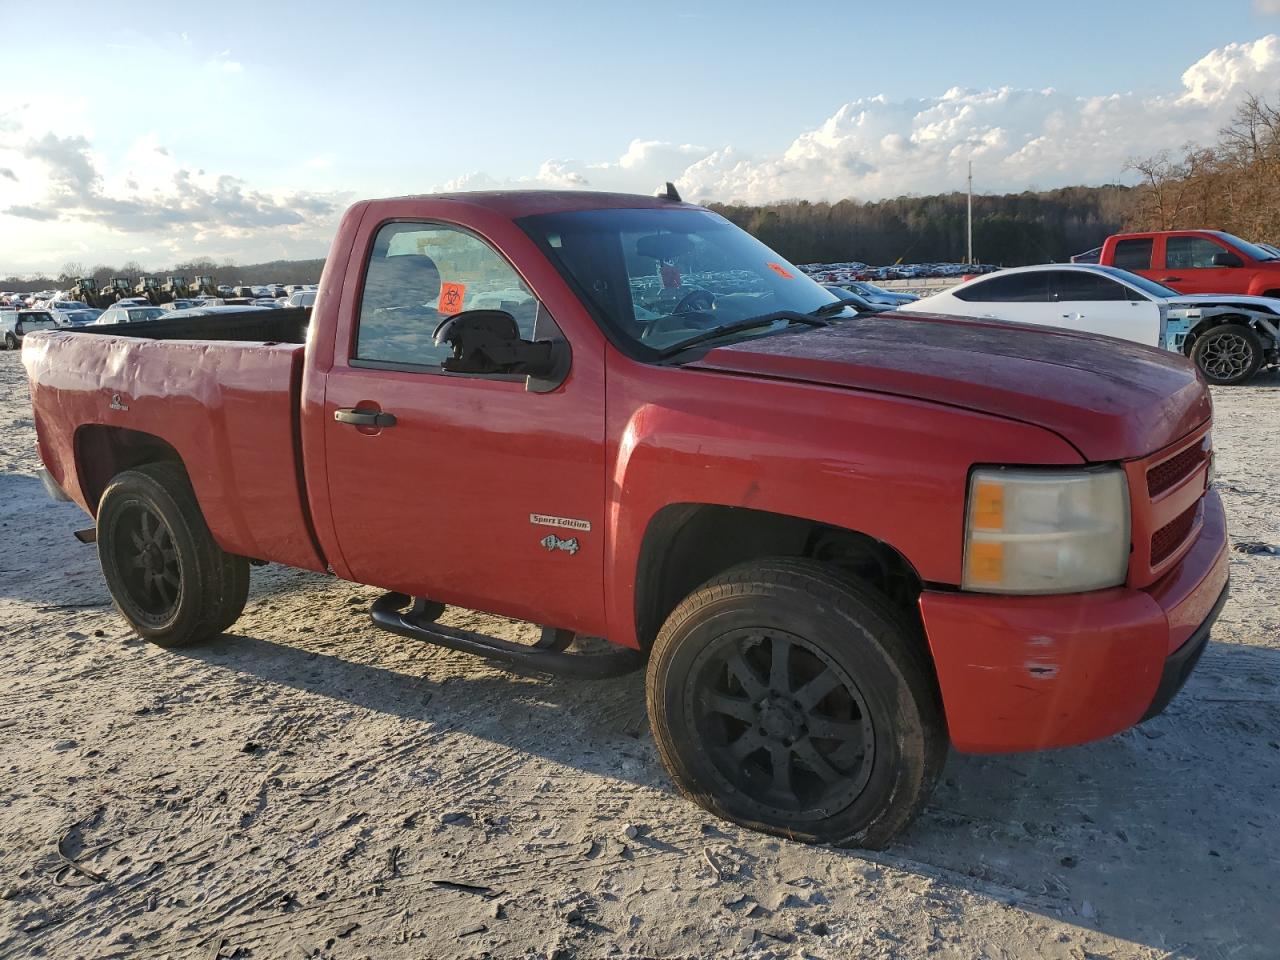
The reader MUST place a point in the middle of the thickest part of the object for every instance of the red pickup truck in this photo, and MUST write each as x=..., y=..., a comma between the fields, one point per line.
x=841, y=541
x=1196, y=261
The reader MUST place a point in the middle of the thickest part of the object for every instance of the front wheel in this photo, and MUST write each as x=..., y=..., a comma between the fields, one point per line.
x=167, y=575
x=1228, y=354
x=787, y=700
x=10, y=342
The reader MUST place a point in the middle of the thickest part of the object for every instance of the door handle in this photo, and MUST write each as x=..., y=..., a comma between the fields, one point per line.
x=364, y=418
x=1170, y=279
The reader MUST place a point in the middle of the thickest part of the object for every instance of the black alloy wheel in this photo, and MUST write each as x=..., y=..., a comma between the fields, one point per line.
x=166, y=572
x=781, y=722
x=145, y=554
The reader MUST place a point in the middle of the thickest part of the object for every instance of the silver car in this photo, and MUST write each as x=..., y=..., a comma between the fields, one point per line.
x=125, y=313
x=15, y=324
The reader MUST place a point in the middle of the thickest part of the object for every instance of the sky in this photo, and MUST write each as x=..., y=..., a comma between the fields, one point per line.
x=150, y=132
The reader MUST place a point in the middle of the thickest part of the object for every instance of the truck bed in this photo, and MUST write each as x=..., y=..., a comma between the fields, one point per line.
x=268, y=325
x=228, y=407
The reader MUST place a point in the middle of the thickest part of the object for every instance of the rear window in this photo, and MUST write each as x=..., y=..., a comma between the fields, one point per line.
x=1134, y=254
x=1030, y=287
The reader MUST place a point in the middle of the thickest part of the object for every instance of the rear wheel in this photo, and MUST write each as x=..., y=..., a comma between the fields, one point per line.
x=168, y=577
x=1228, y=354
x=788, y=700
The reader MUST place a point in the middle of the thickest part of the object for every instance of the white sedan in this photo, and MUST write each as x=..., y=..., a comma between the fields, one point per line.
x=1229, y=337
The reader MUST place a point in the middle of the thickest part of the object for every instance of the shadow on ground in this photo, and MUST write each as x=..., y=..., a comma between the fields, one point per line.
x=1096, y=834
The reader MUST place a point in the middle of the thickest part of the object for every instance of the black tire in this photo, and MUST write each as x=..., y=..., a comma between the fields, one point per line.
x=166, y=574
x=10, y=342
x=859, y=786
x=1228, y=354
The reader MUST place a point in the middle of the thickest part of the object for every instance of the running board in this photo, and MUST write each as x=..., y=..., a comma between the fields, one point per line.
x=546, y=656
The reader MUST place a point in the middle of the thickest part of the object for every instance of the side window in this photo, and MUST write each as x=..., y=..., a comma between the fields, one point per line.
x=1190, y=253
x=1030, y=287
x=1085, y=285
x=1134, y=254
x=420, y=273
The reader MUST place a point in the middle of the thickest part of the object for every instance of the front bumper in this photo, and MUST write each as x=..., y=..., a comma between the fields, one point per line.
x=1026, y=673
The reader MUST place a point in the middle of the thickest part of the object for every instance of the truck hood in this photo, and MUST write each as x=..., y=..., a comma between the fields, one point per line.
x=1111, y=399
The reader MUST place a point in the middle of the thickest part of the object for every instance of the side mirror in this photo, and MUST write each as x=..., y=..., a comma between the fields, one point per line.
x=488, y=342
x=1227, y=260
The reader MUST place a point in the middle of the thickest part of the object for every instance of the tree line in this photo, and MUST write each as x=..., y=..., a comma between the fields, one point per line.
x=1008, y=229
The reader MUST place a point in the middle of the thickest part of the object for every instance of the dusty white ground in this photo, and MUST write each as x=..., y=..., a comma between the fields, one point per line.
x=309, y=786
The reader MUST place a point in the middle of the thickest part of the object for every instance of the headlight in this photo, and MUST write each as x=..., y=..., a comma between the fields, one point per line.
x=1046, y=531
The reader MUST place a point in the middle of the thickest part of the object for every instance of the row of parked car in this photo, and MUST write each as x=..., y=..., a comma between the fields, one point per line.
x=854, y=271
x=17, y=318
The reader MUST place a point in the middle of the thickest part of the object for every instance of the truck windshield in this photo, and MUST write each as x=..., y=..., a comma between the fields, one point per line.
x=1251, y=250
x=656, y=278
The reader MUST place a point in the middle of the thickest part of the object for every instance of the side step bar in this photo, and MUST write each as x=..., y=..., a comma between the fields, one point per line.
x=546, y=656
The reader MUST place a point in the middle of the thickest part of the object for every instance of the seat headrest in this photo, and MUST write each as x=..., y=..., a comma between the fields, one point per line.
x=410, y=279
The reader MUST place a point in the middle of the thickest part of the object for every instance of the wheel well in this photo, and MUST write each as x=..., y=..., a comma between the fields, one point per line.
x=1208, y=323
x=103, y=452
x=688, y=544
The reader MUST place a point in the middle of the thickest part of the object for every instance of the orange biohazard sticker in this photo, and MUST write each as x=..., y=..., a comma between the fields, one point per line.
x=780, y=270
x=451, y=297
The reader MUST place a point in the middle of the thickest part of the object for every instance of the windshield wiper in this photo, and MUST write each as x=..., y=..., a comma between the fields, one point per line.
x=836, y=306
x=750, y=323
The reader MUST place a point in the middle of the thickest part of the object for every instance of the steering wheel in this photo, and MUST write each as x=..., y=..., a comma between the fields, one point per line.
x=686, y=304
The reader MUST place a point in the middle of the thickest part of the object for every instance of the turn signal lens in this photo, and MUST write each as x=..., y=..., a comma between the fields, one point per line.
x=1046, y=531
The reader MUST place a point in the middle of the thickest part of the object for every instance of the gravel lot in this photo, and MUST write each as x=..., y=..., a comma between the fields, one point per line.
x=308, y=786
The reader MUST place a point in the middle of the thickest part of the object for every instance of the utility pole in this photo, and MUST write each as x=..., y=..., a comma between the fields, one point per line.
x=969, y=248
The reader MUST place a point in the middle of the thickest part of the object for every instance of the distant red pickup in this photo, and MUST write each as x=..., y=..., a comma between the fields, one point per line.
x=1196, y=261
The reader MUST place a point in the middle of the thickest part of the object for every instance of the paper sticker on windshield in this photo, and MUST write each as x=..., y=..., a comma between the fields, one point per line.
x=451, y=297
x=780, y=270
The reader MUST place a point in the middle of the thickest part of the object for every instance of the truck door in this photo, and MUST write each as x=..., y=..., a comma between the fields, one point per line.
x=1093, y=303
x=469, y=489
x=1189, y=266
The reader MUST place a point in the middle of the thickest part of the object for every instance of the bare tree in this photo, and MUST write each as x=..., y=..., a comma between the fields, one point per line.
x=1233, y=184
x=71, y=271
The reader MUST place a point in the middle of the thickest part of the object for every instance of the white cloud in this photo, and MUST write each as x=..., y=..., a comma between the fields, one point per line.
x=222, y=63
x=874, y=147
x=56, y=193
